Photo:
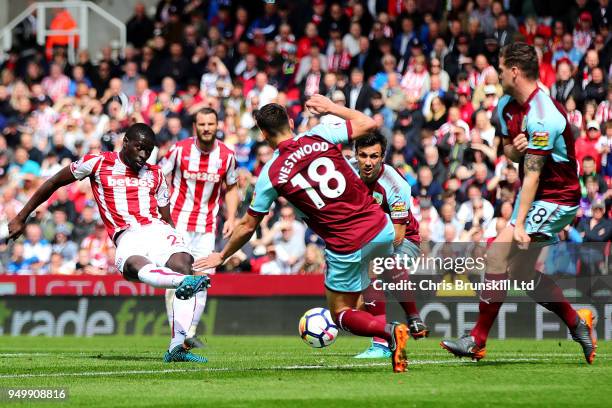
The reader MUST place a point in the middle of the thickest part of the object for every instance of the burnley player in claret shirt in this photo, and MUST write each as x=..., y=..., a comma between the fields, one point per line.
x=310, y=172
x=537, y=134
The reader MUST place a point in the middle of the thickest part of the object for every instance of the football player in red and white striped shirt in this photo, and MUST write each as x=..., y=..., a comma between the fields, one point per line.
x=197, y=168
x=132, y=197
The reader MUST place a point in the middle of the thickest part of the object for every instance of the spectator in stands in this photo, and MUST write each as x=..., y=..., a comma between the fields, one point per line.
x=427, y=187
x=566, y=86
x=314, y=262
x=604, y=147
x=98, y=245
x=567, y=51
x=139, y=27
x=58, y=265
x=19, y=264
x=596, y=89
x=593, y=195
x=358, y=93
x=586, y=145
x=476, y=211
x=588, y=168
x=36, y=248
x=595, y=229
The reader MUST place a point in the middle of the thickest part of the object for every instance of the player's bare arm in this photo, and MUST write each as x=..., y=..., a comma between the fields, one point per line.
x=164, y=212
x=533, y=167
x=516, y=149
x=60, y=179
x=400, y=233
x=241, y=235
x=361, y=123
x=231, y=203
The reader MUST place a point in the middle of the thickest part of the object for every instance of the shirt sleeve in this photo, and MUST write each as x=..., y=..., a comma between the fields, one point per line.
x=398, y=199
x=167, y=162
x=264, y=194
x=162, y=195
x=335, y=133
x=231, y=177
x=503, y=101
x=85, y=166
x=542, y=136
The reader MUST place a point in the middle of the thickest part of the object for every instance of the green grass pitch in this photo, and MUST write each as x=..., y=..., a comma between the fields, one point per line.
x=283, y=371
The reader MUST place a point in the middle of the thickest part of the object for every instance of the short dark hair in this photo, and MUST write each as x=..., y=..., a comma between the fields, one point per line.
x=523, y=56
x=206, y=111
x=372, y=139
x=140, y=129
x=273, y=119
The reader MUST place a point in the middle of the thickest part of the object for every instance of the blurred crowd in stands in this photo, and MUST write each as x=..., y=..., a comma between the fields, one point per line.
x=425, y=70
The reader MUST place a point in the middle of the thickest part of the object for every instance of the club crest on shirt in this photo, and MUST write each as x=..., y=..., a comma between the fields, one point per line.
x=540, y=139
x=378, y=197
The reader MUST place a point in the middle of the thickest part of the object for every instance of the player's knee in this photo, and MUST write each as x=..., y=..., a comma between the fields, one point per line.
x=130, y=271
x=181, y=263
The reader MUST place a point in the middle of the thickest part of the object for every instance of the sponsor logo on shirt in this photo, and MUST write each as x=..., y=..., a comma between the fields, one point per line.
x=399, y=210
x=201, y=176
x=129, y=182
x=540, y=139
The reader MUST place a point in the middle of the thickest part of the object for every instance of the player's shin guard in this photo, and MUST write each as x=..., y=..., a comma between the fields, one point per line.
x=364, y=324
x=491, y=300
x=549, y=295
x=200, y=304
x=159, y=276
x=375, y=304
x=182, y=317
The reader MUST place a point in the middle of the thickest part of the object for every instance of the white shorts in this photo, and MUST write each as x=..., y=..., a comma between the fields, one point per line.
x=200, y=244
x=156, y=242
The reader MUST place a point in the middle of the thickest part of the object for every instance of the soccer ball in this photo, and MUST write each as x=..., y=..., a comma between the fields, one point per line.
x=317, y=328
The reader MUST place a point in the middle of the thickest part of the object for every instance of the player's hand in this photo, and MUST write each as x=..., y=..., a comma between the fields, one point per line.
x=228, y=228
x=15, y=228
x=319, y=104
x=520, y=142
x=521, y=237
x=210, y=262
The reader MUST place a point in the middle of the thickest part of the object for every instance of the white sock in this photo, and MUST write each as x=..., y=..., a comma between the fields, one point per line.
x=169, y=299
x=159, y=276
x=183, y=311
x=197, y=313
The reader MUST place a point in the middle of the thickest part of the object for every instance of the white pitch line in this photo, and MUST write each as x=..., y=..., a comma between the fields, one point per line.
x=222, y=369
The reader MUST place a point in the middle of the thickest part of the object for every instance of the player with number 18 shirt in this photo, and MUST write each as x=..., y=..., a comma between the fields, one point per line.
x=311, y=173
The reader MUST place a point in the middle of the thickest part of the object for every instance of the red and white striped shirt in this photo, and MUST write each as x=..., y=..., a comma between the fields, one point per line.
x=413, y=82
x=125, y=198
x=196, y=179
x=604, y=112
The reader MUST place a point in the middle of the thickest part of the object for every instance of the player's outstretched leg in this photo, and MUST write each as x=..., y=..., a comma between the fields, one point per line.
x=374, y=303
x=138, y=268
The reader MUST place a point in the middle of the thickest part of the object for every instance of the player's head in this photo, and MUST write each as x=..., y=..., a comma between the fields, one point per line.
x=273, y=121
x=518, y=63
x=138, y=143
x=205, y=123
x=370, y=153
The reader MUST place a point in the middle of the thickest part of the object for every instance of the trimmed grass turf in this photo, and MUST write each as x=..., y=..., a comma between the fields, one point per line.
x=283, y=371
